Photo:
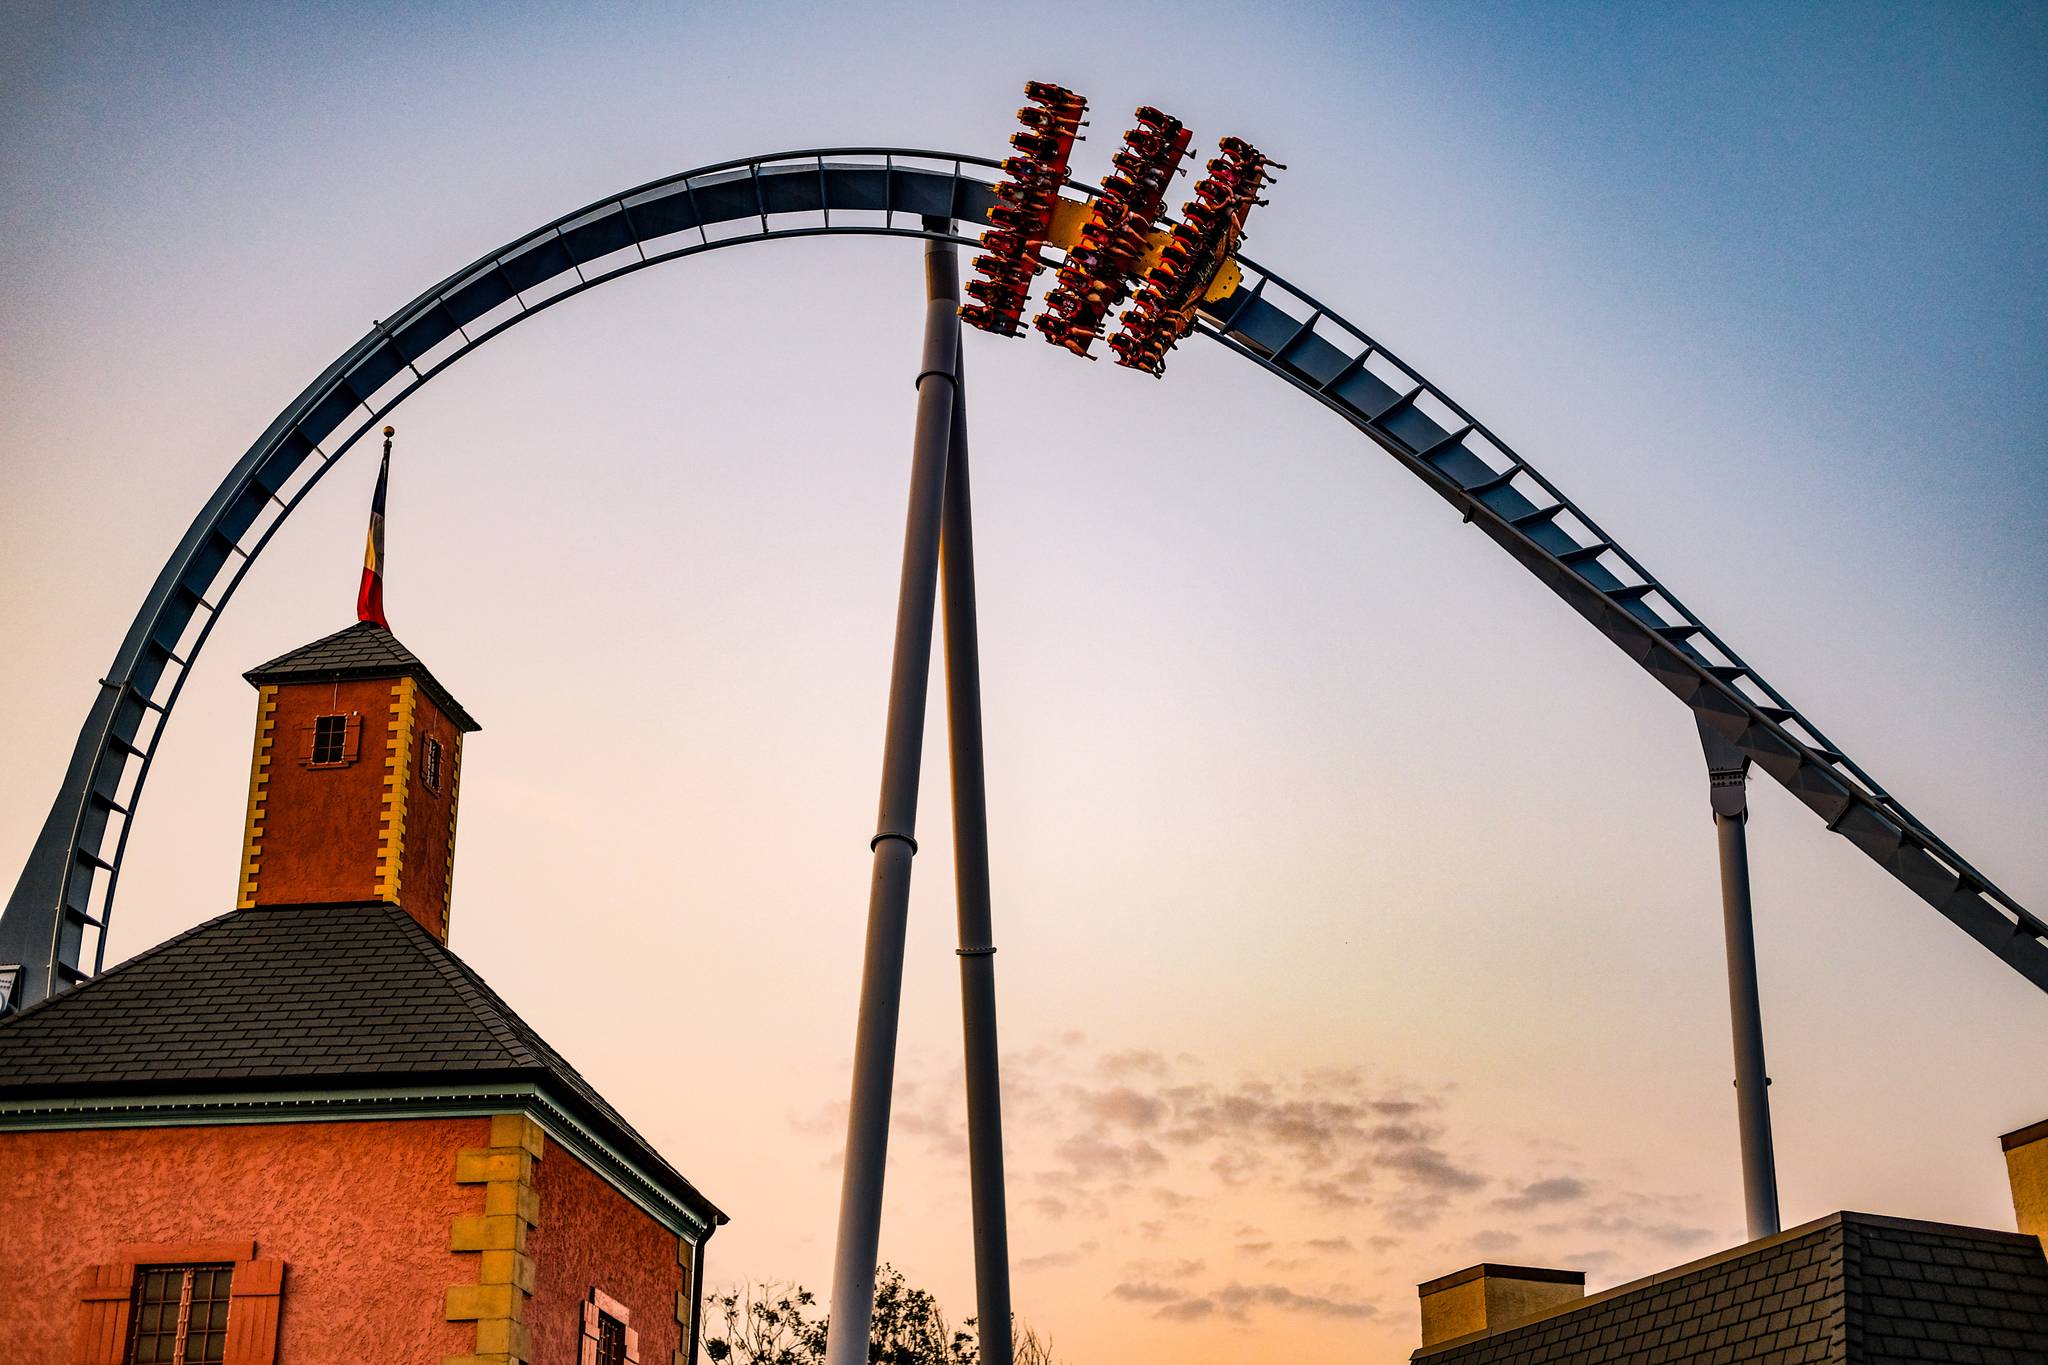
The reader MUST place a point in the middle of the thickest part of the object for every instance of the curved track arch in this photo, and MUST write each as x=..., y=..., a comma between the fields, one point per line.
x=62, y=902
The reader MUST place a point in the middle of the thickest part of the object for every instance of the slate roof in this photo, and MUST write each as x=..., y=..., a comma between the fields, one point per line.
x=1852, y=1287
x=364, y=650
x=298, y=997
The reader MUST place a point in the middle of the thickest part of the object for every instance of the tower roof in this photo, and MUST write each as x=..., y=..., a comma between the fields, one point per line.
x=364, y=650
x=299, y=998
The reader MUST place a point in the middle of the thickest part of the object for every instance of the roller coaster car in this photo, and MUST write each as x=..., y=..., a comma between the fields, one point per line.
x=1022, y=213
x=1210, y=230
x=1098, y=271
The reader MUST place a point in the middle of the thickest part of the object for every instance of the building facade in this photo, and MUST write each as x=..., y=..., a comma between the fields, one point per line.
x=306, y=1131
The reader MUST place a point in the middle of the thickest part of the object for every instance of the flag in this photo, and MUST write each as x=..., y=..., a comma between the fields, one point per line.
x=370, y=596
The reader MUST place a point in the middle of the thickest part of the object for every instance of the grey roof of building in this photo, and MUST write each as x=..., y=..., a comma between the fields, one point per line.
x=1851, y=1287
x=364, y=650
x=299, y=997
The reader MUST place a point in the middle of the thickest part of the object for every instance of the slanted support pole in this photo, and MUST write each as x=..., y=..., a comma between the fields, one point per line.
x=894, y=844
x=1728, y=781
x=971, y=881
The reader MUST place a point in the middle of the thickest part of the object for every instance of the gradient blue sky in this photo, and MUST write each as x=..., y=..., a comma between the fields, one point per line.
x=1300, y=788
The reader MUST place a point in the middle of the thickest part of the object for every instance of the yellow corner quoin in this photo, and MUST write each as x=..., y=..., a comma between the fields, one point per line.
x=448, y=873
x=259, y=794
x=497, y=1301
x=1069, y=215
x=686, y=1296
x=397, y=785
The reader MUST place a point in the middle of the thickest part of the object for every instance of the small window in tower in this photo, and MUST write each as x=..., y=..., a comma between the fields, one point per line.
x=611, y=1340
x=330, y=739
x=179, y=1313
x=430, y=763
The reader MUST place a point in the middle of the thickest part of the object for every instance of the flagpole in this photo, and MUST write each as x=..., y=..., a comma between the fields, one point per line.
x=370, y=592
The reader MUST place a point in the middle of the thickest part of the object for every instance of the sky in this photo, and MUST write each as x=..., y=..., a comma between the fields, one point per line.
x=1356, y=902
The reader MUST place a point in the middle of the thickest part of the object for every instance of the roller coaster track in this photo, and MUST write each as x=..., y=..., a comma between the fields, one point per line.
x=62, y=904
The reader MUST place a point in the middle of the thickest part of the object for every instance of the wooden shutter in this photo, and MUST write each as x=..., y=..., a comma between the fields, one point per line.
x=103, y=1295
x=254, y=1296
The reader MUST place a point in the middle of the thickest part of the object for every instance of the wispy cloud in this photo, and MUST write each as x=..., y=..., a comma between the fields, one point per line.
x=1360, y=1185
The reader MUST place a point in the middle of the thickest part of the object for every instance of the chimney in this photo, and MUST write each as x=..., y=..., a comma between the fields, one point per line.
x=353, y=785
x=2026, y=1166
x=1488, y=1297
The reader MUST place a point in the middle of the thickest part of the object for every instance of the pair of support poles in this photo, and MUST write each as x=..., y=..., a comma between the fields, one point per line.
x=938, y=548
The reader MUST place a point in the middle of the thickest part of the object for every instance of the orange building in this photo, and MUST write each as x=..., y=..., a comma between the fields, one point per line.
x=306, y=1131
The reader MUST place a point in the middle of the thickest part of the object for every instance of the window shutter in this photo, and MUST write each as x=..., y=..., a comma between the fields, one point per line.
x=253, y=1299
x=632, y=1347
x=103, y=1293
x=306, y=733
x=352, y=747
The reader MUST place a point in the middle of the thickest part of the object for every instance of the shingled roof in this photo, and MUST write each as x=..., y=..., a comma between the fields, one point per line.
x=364, y=650
x=1846, y=1288
x=320, y=997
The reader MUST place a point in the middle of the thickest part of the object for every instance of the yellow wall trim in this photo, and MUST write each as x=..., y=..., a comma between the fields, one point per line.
x=259, y=793
x=397, y=785
x=454, y=806
x=497, y=1301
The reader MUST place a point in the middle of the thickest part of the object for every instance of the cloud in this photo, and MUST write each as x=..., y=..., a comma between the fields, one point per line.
x=1158, y=1154
x=1561, y=1189
x=1126, y=1107
x=1236, y=1300
x=1053, y=1260
x=1179, y=1268
x=1092, y=1156
x=1133, y=1061
x=1428, y=1167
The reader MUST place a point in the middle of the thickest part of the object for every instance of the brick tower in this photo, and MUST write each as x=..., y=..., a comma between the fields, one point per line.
x=352, y=790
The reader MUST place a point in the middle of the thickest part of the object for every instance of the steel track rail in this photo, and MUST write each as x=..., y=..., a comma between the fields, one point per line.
x=61, y=905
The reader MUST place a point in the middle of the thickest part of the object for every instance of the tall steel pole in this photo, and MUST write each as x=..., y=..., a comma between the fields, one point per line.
x=971, y=882
x=1728, y=780
x=895, y=843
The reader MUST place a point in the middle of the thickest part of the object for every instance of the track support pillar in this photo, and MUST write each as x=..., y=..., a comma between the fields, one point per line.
x=1728, y=781
x=894, y=844
x=971, y=882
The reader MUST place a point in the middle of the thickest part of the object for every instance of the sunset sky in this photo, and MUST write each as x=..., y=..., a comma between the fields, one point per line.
x=1356, y=902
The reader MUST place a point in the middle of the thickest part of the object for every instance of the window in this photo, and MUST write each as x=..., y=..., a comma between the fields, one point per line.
x=179, y=1303
x=608, y=1335
x=180, y=1315
x=330, y=739
x=430, y=763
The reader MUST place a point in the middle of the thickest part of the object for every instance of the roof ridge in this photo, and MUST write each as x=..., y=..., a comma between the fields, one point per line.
x=504, y=1022
x=364, y=650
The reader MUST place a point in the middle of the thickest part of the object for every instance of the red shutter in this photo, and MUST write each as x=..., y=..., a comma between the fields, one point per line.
x=352, y=747
x=103, y=1294
x=253, y=1298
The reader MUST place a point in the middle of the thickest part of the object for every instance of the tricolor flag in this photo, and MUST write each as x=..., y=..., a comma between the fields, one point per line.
x=370, y=596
